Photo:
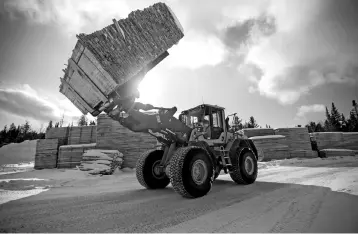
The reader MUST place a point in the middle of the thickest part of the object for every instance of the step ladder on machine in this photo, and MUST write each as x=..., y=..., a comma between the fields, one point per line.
x=225, y=158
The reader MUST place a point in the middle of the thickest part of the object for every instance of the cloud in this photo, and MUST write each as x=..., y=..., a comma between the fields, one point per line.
x=315, y=108
x=25, y=102
x=71, y=16
x=305, y=52
x=197, y=50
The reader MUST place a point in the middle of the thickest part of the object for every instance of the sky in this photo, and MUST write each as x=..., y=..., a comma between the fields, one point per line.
x=280, y=61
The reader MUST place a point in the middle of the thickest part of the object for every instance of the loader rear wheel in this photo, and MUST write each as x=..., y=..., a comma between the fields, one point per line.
x=147, y=171
x=191, y=172
x=244, y=167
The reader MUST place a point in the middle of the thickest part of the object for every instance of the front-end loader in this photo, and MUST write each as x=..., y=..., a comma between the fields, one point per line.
x=189, y=158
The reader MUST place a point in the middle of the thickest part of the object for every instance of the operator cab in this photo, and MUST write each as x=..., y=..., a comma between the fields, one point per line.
x=211, y=114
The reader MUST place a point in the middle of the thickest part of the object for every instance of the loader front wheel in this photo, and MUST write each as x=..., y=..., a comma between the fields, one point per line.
x=244, y=167
x=148, y=172
x=191, y=172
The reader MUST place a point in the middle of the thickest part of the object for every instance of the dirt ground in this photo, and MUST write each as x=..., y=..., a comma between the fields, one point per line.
x=315, y=195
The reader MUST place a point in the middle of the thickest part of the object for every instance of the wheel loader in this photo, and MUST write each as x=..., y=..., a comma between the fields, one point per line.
x=188, y=158
x=103, y=75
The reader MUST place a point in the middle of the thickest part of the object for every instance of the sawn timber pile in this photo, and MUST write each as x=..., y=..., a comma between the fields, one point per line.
x=112, y=135
x=337, y=140
x=108, y=58
x=101, y=161
x=336, y=152
x=46, y=154
x=271, y=147
x=70, y=156
x=298, y=141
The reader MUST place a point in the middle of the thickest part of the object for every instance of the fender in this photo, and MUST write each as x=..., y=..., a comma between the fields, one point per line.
x=242, y=144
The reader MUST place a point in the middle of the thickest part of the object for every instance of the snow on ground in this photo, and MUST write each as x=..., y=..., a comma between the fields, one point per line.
x=16, y=153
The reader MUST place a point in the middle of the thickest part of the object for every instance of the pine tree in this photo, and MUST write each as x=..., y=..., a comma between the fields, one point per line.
x=92, y=123
x=344, y=123
x=252, y=123
x=83, y=121
x=328, y=121
x=49, y=125
x=352, y=122
x=335, y=118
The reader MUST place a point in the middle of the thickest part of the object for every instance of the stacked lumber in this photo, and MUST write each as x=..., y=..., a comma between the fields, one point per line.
x=108, y=58
x=82, y=135
x=298, y=141
x=112, y=135
x=338, y=140
x=70, y=156
x=252, y=132
x=271, y=147
x=58, y=133
x=101, y=161
x=336, y=152
x=46, y=154
x=350, y=140
x=327, y=139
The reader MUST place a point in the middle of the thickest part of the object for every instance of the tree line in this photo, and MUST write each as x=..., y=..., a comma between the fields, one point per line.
x=23, y=132
x=335, y=122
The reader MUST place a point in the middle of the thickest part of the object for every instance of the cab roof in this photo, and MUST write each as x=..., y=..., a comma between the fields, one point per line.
x=202, y=106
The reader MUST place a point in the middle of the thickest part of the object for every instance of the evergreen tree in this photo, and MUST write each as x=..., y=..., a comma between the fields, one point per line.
x=319, y=127
x=328, y=122
x=83, y=121
x=335, y=118
x=252, y=123
x=344, y=123
x=49, y=125
x=352, y=122
x=92, y=123
x=57, y=124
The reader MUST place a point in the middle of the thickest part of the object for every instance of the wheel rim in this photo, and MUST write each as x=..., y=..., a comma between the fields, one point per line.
x=199, y=172
x=249, y=165
x=156, y=170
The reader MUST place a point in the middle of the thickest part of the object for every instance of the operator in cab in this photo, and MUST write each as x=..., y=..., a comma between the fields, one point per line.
x=206, y=130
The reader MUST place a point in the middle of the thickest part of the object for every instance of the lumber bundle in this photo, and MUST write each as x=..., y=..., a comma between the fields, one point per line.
x=112, y=135
x=101, y=161
x=70, y=156
x=252, y=132
x=271, y=147
x=298, y=141
x=338, y=140
x=336, y=152
x=108, y=58
x=46, y=154
x=82, y=135
x=58, y=133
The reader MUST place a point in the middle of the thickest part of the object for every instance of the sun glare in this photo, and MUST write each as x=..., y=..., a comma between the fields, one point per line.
x=150, y=89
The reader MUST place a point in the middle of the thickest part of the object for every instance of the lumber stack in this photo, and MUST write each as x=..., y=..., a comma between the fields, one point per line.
x=106, y=59
x=46, y=154
x=298, y=141
x=58, y=133
x=70, y=156
x=338, y=140
x=101, y=161
x=82, y=135
x=271, y=147
x=112, y=135
x=252, y=132
x=336, y=152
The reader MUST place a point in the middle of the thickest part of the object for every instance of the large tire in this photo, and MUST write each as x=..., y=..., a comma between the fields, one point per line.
x=145, y=170
x=191, y=172
x=242, y=174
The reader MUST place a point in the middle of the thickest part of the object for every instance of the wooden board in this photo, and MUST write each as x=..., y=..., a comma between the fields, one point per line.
x=251, y=132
